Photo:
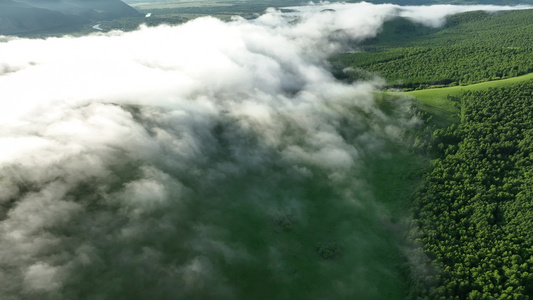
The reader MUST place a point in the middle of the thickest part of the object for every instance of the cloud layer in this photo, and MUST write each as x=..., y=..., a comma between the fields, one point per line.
x=210, y=160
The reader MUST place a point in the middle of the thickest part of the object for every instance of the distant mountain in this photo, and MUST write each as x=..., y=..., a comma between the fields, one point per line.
x=91, y=9
x=18, y=18
x=33, y=16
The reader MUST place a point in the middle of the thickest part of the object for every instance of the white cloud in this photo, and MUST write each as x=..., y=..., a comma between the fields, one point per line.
x=435, y=15
x=41, y=277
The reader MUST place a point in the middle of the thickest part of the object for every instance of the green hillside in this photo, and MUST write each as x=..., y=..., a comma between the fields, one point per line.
x=23, y=17
x=17, y=18
x=473, y=82
x=472, y=47
x=472, y=216
x=431, y=96
x=93, y=10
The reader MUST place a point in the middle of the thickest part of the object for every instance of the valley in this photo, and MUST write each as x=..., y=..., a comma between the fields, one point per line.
x=349, y=153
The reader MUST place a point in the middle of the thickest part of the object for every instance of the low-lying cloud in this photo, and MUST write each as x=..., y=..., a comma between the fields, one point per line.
x=209, y=160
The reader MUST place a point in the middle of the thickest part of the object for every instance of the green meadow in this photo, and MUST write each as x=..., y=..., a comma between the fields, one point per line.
x=438, y=97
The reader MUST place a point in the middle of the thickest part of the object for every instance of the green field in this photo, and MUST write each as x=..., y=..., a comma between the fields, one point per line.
x=439, y=97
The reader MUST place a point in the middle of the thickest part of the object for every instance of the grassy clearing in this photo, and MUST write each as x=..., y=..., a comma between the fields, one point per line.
x=437, y=95
x=436, y=101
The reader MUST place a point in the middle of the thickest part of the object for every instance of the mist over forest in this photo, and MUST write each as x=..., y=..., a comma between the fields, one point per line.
x=208, y=160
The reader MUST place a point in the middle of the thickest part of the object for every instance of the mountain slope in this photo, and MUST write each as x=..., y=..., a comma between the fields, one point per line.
x=18, y=18
x=32, y=16
x=471, y=47
x=91, y=9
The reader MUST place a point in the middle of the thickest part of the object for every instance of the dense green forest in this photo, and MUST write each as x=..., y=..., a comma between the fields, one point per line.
x=472, y=228
x=472, y=47
x=422, y=67
x=473, y=214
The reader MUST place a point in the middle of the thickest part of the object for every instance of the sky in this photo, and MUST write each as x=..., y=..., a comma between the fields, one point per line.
x=210, y=160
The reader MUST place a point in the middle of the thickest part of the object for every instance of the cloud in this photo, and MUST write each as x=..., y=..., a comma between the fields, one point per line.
x=435, y=15
x=205, y=160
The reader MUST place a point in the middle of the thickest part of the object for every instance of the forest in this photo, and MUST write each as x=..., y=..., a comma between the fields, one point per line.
x=472, y=217
x=471, y=47
x=424, y=67
x=473, y=213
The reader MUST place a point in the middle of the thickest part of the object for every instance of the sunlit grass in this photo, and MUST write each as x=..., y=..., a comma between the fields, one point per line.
x=438, y=97
x=437, y=100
